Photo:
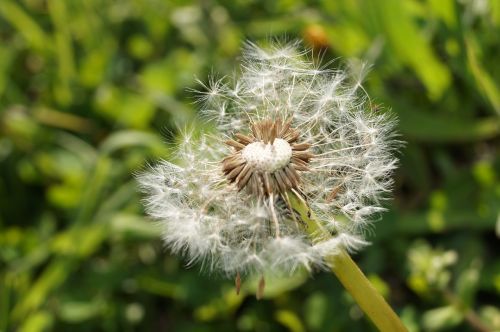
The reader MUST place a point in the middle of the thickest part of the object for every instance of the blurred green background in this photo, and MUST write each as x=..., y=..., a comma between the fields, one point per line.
x=93, y=90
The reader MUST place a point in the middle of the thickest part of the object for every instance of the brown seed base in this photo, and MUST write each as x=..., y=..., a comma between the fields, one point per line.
x=265, y=184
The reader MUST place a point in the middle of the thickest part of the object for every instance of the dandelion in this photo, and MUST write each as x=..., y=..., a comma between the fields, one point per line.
x=288, y=133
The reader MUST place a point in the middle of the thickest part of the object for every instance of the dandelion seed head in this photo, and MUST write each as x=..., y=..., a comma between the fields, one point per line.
x=285, y=126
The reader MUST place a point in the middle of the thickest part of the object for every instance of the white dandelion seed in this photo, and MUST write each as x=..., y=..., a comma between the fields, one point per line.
x=285, y=126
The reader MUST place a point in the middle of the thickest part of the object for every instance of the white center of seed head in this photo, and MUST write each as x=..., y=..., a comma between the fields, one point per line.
x=268, y=157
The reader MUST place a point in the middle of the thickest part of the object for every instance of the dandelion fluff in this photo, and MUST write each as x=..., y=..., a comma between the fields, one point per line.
x=284, y=127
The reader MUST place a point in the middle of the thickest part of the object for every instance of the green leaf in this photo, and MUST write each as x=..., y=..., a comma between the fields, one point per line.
x=26, y=26
x=79, y=241
x=52, y=277
x=290, y=320
x=316, y=310
x=467, y=284
x=438, y=128
x=77, y=312
x=127, y=108
x=6, y=59
x=64, y=50
x=485, y=83
x=37, y=322
x=409, y=45
x=441, y=318
x=131, y=138
x=445, y=10
x=275, y=285
x=221, y=306
x=134, y=226
x=163, y=288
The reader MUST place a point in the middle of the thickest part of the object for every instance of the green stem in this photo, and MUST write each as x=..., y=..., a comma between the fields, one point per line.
x=365, y=295
x=351, y=277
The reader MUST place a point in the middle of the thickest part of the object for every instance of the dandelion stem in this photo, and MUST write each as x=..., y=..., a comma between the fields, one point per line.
x=365, y=295
x=353, y=279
